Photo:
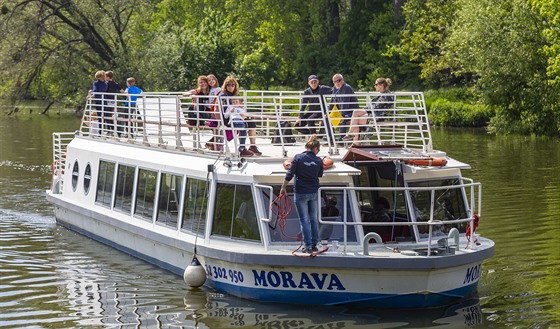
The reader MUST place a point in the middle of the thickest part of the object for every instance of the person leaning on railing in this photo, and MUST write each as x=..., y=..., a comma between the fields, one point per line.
x=379, y=107
x=99, y=86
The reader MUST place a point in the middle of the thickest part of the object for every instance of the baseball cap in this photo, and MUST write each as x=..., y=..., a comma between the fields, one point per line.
x=312, y=77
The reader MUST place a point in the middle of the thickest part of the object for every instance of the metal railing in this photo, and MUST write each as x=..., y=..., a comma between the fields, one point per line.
x=471, y=191
x=60, y=143
x=197, y=122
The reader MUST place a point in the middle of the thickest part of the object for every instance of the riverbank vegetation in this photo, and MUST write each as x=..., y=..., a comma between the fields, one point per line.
x=481, y=62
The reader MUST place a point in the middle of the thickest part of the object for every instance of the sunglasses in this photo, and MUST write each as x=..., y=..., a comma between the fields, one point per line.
x=337, y=81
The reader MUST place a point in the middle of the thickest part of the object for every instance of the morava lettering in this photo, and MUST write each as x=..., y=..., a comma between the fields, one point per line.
x=473, y=274
x=309, y=281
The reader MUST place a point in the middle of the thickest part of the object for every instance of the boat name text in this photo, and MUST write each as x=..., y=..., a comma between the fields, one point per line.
x=309, y=281
x=473, y=274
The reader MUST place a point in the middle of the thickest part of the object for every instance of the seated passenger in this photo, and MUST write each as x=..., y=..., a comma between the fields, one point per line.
x=305, y=123
x=379, y=107
x=231, y=107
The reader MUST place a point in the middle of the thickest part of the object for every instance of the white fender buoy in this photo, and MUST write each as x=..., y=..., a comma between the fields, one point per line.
x=194, y=274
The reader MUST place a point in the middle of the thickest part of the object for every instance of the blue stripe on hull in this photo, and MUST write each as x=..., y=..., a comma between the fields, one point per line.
x=352, y=299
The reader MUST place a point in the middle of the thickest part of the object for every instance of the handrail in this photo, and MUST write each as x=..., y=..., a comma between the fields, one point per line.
x=169, y=120
x=472, y=186
x=60, y=143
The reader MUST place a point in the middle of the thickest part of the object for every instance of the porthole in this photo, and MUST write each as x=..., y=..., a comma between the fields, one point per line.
x=87, y=178
x=75, y=175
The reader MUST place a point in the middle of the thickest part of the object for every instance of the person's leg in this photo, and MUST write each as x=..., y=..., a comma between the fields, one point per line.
x=240, y=125
x=301, y=201
x=313, y=218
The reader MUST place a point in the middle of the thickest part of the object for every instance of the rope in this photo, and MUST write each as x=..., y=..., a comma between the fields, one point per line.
x=283, y=205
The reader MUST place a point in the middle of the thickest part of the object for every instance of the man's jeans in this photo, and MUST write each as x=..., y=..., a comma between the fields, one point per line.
x=306, y=206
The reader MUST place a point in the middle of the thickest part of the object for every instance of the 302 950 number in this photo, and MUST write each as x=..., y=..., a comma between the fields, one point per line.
x=216, y=272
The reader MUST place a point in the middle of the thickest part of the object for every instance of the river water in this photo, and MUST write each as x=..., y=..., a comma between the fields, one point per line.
x=53, y=278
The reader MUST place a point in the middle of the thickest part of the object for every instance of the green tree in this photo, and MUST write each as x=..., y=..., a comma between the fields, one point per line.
x=500, y=43
x=423, y=38
x=51, y=47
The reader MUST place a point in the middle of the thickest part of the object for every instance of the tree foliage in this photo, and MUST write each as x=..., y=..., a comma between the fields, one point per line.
x=508, y=53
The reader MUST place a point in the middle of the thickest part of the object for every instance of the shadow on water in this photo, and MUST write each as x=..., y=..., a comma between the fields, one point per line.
x=51, y=277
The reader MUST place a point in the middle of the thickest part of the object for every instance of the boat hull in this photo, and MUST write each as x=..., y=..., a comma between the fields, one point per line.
x=284, y=278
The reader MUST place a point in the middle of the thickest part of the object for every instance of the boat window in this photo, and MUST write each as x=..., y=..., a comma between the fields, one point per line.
x=168, y=200
x=234, y=212
x=75, y=175
x=145, y=194
x=195, y=206
x=105, y=183
x=125, y=187
x=449, y=204
x=285, y=230
x=87, y=179
x=386, y=205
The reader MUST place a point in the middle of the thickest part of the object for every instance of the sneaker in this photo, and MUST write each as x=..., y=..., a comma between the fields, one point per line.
x=347, y=138
x=314, y=248
x=255, y=150
x=307, y=250
x=245, y=153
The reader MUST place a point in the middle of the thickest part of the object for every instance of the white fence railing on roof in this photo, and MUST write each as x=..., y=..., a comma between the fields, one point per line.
x=197, y=122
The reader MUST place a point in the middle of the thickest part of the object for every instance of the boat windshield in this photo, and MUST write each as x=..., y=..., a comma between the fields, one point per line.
x=449, y=204
x=380, y=202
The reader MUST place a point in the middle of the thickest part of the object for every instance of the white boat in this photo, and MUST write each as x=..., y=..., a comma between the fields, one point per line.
x=397, y=222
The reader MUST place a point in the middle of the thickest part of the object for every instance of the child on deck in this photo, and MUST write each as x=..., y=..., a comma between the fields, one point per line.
x=236, y=115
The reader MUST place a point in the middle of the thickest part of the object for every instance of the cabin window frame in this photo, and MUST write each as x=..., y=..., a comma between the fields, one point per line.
x=373, y=211
x=119, y=205
x=75, y=175
x=199, y=213
x=140, y=185
x=411, y=206
x=87, y=178
x=178, y=199
x=105, y=195
x=236, y=224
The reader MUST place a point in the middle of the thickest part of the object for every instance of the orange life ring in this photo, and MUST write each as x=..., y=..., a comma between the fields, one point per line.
x=431, y=162
x=288, y=163
x=327, y=163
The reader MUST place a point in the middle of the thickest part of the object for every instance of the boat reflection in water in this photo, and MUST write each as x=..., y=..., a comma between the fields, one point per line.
x=224, y=311
x=112, y=304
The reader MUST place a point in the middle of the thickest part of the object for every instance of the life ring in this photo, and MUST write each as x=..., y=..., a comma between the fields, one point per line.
x=327, y=163
x=288, y=163
x=431, y=162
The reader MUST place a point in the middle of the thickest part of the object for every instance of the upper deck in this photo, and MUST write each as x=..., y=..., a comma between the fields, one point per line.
x=177, y=123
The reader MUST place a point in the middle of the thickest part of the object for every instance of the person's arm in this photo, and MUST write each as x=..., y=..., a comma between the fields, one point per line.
x=289, y=175
x=283, y=188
